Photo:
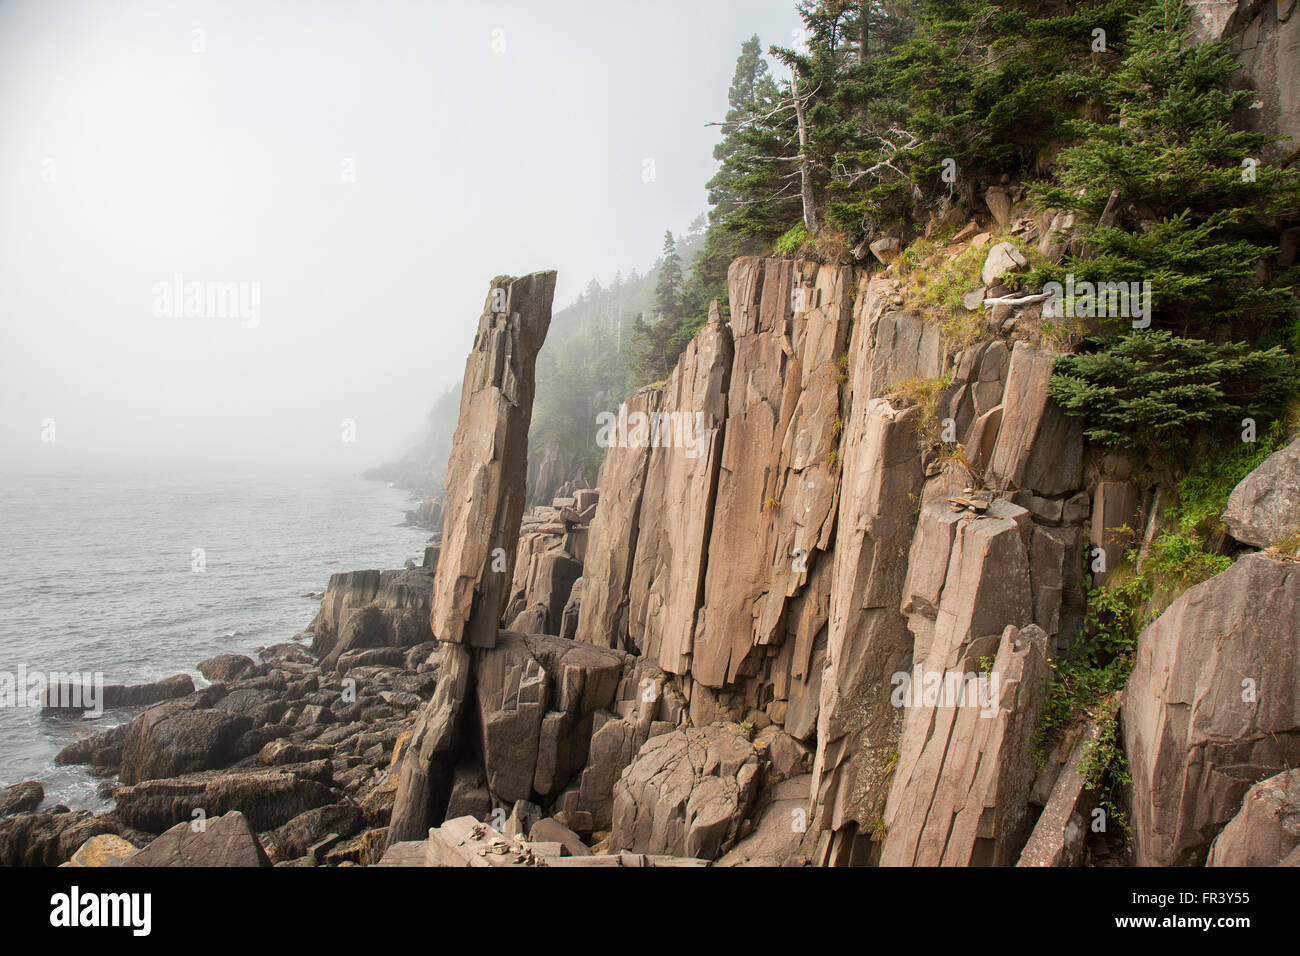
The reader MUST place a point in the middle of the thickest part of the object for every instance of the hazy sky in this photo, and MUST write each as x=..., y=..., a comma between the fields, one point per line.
x=351, y=173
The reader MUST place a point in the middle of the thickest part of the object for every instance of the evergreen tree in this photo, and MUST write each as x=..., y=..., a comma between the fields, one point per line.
x=1180, y=200
x=669, y=287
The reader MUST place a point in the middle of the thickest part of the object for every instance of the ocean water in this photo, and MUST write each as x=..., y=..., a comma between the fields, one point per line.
x=99, y=574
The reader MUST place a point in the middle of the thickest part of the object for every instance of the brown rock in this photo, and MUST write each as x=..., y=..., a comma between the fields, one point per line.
x=1211, y=706
x=686, y=793
x=486, y=485
x=1267, y=827
x=672, y=547
x=227, y=840
x=1038, y=448
x=613, y=537
x=960, y=794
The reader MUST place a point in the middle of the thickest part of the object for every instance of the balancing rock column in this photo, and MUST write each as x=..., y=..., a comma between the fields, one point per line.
x=486, y=477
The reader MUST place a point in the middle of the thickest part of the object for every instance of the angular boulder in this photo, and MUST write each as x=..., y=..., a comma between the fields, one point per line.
x=174, y=738
x=21, y=797
x=1266, y=830
x=686, y=793
x=1211, y=706
x=268, y=798
x=1264, y=508
x=227, y=840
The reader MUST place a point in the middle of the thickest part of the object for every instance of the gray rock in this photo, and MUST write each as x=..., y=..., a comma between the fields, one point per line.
x=1264, y=508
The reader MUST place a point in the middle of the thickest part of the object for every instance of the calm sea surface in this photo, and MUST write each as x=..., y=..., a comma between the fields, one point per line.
x=98, y=574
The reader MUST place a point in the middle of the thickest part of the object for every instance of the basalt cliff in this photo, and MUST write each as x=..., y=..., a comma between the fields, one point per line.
x=816, y=630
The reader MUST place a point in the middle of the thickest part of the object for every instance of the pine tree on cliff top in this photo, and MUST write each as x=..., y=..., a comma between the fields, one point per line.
x=1194, y=214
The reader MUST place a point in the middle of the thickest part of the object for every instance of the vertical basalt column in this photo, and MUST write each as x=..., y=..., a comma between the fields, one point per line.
x=486, y=478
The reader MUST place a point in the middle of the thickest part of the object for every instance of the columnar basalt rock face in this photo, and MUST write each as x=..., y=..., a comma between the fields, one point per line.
x=779, y=481
x=1211, y=706
x=960, y=794
x=868, y=639
x=486, y=477
x=775, y=594
x=678, y=503
x=615, y=532
x=968, y=579
x=487, y=469
x=1038, y=448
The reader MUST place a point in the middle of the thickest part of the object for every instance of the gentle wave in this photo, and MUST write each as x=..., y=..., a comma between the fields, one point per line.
x=96, y=575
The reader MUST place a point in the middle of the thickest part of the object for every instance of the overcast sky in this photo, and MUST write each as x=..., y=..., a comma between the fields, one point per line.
x=353, y=172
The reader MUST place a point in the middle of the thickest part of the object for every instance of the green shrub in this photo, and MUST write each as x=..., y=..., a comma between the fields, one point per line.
x=1152, y=393
x=788, y=244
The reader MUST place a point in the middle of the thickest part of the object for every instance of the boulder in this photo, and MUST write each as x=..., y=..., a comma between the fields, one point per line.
x=268, y=798
x=550, y=830
x=1002, y=258
x=1266, y=830
x=106, y=849
x=21, y=797
x=292, y=839
x=686, y=793
x=72, y=697
x=1264, y=508
x=1060, y=835
x=174, y=738
x=227, y=840
x=103, y=749
x=1211, y=706
x=226, y=667
x=49, y=838
x=782, y=829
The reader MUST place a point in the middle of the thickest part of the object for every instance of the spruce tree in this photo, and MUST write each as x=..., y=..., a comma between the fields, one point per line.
x=1194, y=213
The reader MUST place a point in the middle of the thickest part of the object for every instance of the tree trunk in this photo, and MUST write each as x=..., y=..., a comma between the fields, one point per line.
x=805, y=167
x=863, y=29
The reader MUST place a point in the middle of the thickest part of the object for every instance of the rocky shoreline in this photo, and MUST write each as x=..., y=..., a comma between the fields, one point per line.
x=298, y=742
x=698, y=663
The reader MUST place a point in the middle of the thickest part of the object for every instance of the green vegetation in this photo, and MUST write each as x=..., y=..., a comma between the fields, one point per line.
x=790, y=242
x=1180, y=199
x=1085, y=685
x=1154, y=393
x=1086, y=682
